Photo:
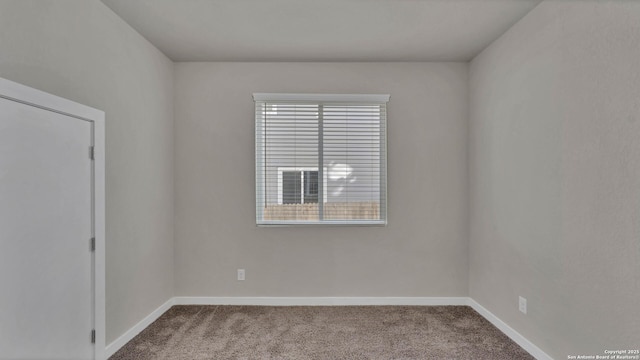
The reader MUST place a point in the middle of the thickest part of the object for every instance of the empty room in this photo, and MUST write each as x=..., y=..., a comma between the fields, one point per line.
x=319, y=179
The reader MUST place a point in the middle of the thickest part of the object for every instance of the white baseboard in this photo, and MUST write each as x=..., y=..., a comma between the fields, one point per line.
x=328, y=301
x=136, y=329
x=530, y=347
x=320, y=301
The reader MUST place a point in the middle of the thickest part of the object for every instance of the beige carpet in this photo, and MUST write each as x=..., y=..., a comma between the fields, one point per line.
x=340, y=332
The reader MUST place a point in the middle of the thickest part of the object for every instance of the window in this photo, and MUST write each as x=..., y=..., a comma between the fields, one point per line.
x=299, y=185
x=320, y=159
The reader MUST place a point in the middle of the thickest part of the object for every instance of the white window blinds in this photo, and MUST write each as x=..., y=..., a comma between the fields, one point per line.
x=321, y=159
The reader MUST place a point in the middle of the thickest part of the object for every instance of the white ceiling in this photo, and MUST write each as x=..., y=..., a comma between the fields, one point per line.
x=321, y=30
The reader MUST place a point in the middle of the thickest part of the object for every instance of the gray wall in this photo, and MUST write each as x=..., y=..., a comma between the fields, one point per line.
x=555, y=176
x=423, y=250
x=82, y=51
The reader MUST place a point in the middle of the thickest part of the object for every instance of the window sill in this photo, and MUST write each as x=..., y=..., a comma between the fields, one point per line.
x=331, y=223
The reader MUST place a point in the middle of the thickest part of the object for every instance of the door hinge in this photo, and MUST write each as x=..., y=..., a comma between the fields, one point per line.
x=91, y=152
x=93, y=336
x=93, y=244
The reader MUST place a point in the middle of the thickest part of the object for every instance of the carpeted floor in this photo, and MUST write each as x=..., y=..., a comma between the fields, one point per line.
x=308, y=332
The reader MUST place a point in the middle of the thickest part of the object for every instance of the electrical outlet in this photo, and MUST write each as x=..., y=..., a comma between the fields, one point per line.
x=522, y=305
x=240, y=274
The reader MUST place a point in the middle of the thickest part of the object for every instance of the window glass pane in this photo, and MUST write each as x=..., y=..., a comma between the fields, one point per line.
x=310, y=187
x=351, y=138
x=291, y=187
x=287, y=143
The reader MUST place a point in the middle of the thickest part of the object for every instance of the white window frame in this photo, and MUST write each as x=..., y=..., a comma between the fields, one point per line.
x=302, y=170
x=322, y=99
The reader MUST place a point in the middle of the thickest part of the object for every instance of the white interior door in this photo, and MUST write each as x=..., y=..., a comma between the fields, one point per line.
x=46, y=263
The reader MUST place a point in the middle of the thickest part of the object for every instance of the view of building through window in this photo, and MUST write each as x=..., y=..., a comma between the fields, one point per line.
x=300, y=187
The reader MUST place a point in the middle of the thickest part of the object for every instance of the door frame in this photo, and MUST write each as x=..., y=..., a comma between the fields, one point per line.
x=23, y=94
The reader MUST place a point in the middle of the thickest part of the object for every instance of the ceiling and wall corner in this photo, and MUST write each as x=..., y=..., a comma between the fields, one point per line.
x=321, y=30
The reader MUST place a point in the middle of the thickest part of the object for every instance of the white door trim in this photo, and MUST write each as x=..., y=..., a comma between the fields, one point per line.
x=23, y=94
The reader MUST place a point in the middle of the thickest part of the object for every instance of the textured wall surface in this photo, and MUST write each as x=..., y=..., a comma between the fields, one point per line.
x=82, y=51
x=555, y=176
x=423, y=250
